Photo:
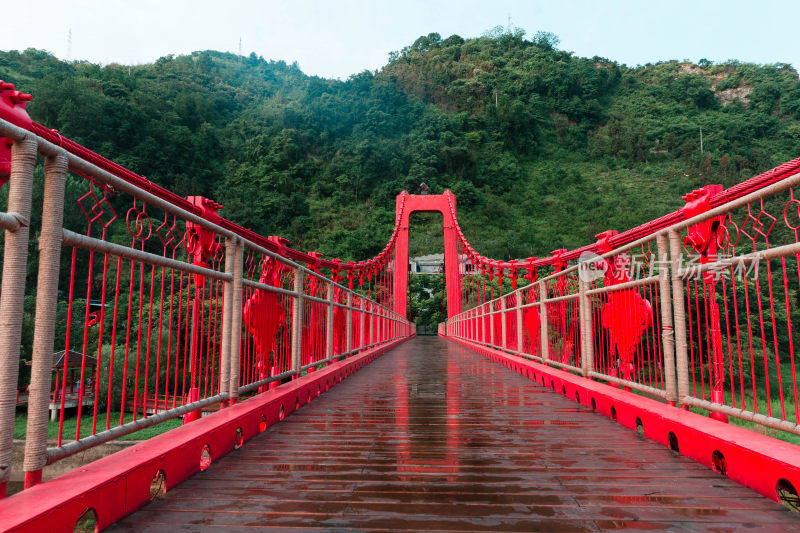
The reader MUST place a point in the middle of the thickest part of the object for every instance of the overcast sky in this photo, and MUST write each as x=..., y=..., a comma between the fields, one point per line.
x=337, y=38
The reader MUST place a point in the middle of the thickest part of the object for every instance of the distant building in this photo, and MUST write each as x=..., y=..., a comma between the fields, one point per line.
x=434, y=264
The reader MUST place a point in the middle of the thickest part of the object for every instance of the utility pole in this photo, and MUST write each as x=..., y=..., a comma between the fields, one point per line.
x=240, y=49
x=69, y=45
x=495, y=98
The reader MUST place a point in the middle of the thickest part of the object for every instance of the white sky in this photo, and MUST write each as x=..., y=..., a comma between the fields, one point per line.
x=337, y=38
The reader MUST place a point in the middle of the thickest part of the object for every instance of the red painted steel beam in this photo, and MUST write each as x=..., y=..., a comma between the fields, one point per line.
x=753, y=460
x=119, y=484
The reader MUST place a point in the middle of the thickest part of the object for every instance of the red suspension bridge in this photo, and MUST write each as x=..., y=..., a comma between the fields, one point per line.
x=681, y=329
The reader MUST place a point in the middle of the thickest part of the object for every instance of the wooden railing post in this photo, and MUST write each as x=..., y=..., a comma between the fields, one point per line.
x=297, y=322
x=679, y=314
x=329, y=332
x=544, y=340
x=236, y=322
x=12, y=297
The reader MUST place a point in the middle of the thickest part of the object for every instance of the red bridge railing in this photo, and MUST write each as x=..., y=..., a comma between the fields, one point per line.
x=160, y=308
x=700, y=308
x=157, y=308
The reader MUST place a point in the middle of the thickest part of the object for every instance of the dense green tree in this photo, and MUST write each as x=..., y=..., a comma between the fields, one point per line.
x=543, y=148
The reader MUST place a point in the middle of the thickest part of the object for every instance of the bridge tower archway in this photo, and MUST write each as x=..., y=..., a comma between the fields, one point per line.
x=426, y=203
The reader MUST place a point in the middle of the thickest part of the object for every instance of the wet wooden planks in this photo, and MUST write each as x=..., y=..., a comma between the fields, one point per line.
x=434, y=437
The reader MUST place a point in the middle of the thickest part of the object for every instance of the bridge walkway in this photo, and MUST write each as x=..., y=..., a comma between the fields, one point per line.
x=432, y=436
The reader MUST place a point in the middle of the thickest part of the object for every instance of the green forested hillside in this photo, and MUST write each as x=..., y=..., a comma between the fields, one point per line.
x=542, y=148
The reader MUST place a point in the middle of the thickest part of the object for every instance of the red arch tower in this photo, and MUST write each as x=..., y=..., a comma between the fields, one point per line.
x=430, y=203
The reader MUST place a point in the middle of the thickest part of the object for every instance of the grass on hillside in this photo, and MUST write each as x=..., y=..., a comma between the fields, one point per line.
x=746, y=424
x=71, y=424
x=758, y=428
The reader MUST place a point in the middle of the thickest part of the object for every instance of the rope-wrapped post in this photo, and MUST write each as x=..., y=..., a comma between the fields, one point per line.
x=236, y=324
x=491, y=323
x=667, y=334
x=55, y=171
x=373, y=325
x=503, y=333
x=520, y=335
x=476, y=332
x=363, y=324
x=585, y=322
x=297, y=322
x=679, y=314
x=545, y=341
x=15, y=260
x=480, y=317
x=376, y=324
x=381, y=334
x=349, y=332
x=473, y=324
x=329, y=332
x=227, y=318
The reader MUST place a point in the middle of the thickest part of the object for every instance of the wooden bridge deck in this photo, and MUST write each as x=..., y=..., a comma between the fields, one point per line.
x=432, y=436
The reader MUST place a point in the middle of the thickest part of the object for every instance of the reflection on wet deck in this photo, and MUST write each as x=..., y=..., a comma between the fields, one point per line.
x=432, y=436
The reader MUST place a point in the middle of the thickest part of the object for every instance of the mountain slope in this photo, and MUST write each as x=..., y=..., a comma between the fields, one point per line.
x=543, y=148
